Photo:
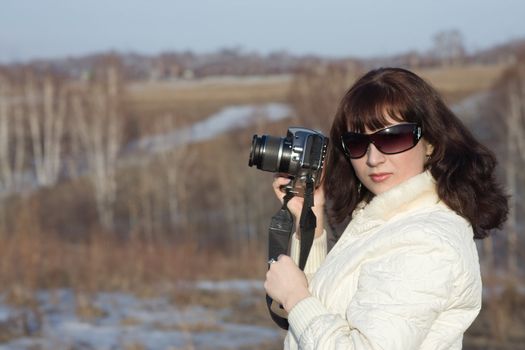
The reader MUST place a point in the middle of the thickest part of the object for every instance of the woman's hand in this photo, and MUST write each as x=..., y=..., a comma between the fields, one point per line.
x=286, y=283
x=296, y=203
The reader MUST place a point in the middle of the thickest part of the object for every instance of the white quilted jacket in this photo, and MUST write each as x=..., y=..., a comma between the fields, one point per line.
x=403, y=275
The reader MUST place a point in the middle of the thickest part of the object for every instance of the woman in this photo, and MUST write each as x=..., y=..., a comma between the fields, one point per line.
x=417, y=188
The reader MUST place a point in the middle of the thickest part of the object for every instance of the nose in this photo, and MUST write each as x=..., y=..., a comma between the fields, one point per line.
x=373, y=156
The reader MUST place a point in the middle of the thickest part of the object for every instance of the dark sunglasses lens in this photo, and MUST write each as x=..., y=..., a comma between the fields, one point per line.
x=355, y=144
x=395, y=139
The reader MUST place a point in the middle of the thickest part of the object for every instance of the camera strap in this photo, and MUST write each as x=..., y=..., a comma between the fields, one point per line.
x=280, y=230
x=307, y=223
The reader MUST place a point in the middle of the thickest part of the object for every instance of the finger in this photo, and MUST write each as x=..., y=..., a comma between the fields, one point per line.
x=278, y=186
x=282, y=256
x=280, y=181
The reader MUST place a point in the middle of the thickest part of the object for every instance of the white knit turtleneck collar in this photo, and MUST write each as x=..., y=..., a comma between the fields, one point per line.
x=415, y=192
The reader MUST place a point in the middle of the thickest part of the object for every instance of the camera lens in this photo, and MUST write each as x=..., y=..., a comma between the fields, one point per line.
x=270, y=153
x=256, y=151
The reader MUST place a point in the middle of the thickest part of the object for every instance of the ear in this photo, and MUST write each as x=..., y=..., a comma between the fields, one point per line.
x=429, y=149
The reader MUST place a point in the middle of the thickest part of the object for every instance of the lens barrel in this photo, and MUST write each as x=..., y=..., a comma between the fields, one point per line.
x=270, y=153
x=255, y=151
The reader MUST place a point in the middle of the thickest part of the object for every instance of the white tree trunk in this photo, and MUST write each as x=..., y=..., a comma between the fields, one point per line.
x=99, y=130
x=46, y=115
x=12, y=141
x=12, y=146
x=173, y=164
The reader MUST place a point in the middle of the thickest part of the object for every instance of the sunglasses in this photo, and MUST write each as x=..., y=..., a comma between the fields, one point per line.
x=390, y=140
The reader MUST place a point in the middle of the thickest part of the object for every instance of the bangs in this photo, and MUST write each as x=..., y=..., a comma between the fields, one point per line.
x=373, y=106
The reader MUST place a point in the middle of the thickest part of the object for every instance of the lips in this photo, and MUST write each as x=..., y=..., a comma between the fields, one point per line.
x=380, y=177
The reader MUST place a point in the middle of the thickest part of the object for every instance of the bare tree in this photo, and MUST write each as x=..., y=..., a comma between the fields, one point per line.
x=46, y=105
x=449, y=47
x=143, y=205
x=174, y=162
x=515, y=161
x=315, y=93
x=159, y=204
x=12, y=139
x=12, y=144
x=99, y=130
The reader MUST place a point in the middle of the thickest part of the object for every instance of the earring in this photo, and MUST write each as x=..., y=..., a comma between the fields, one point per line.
x=427, y=162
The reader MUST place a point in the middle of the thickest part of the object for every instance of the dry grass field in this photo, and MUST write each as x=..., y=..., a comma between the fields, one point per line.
x=194, y=100
x=455, y=83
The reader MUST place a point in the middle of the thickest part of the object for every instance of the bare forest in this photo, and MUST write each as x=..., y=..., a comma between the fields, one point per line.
x=105, y=186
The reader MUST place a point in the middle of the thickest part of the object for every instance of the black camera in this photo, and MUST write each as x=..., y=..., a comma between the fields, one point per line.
x=300, y=155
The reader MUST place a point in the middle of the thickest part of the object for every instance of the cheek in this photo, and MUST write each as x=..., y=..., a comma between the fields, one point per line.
x=412, y=162
x=360, y=167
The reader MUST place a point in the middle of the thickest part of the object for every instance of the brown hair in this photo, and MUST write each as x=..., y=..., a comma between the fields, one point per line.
x=463, y=168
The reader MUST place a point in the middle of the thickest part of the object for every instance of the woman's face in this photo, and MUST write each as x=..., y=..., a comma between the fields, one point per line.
x=380, y=172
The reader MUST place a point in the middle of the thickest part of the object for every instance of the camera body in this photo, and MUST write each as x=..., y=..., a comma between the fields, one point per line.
x=299, y=155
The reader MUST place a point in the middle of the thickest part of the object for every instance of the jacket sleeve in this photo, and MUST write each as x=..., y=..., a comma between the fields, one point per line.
x=315, y=257
x=401, y=291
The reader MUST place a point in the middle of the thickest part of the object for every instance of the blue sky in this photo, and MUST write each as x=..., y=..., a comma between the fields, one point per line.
x=56, y=28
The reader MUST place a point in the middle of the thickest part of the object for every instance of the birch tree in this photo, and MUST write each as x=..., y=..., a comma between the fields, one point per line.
x=173, y=163
x=159, y=204
x=12, y=138
x=12, y=145
x=99, y=130
x=46, y=114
